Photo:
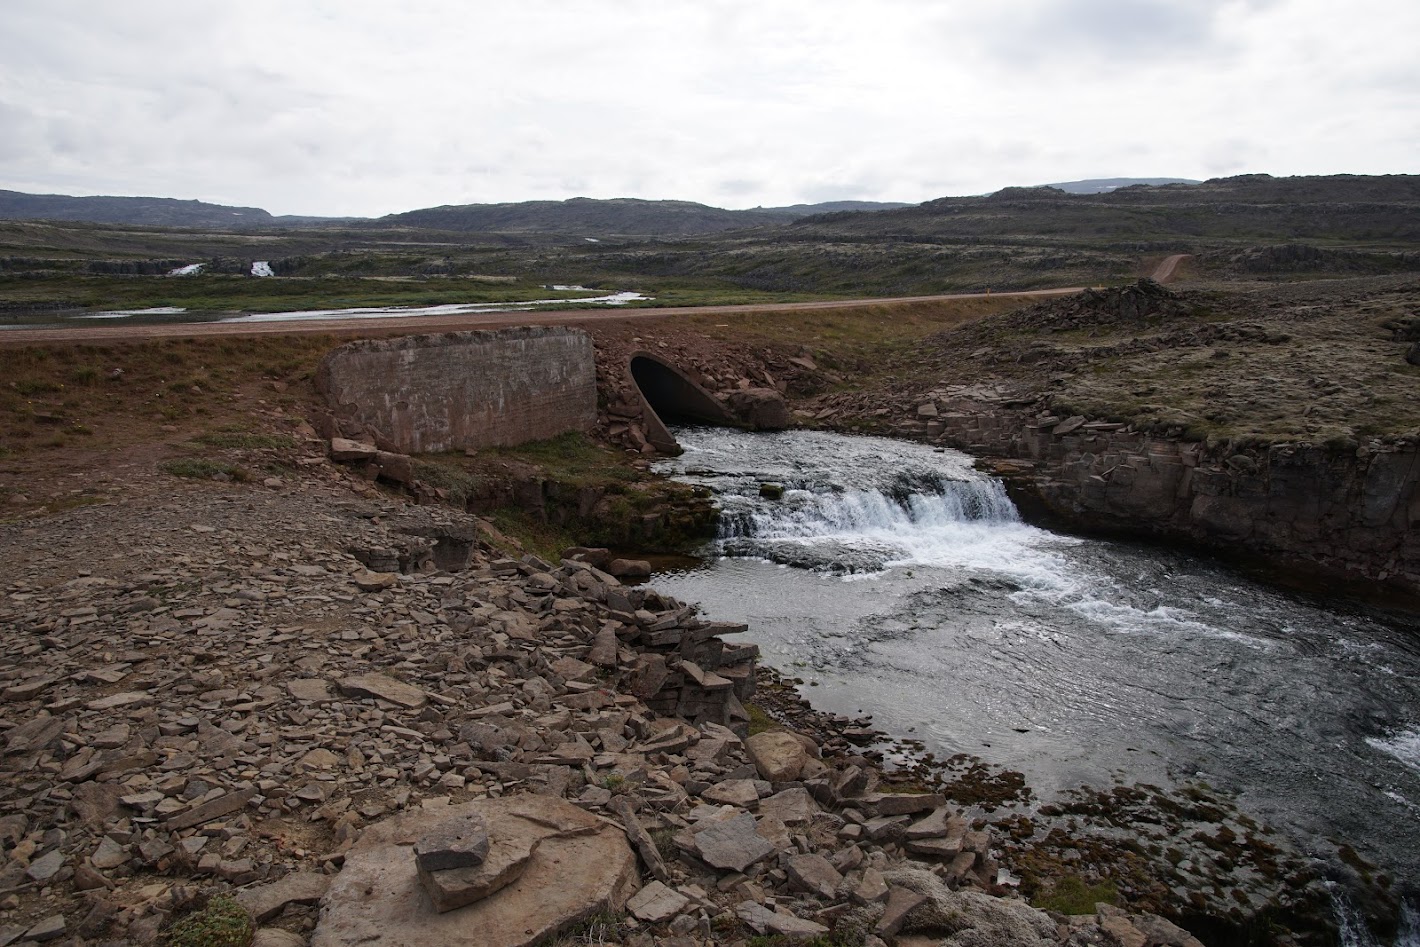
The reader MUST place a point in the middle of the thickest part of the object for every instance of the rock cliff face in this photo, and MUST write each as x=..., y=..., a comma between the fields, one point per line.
x=1351, y=514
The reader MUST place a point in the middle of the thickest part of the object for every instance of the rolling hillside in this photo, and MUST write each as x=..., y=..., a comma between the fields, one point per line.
x=1251, y=208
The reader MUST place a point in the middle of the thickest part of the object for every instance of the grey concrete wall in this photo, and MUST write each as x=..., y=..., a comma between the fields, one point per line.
x=430, y=393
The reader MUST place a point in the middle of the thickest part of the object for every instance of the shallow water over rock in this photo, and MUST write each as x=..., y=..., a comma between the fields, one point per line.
x=902, y=583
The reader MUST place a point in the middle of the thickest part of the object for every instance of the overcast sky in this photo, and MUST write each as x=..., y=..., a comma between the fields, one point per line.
x=348, y=107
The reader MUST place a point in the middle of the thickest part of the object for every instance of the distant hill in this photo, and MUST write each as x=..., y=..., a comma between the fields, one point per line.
x=142, y=211
x=1105, y=185
x=1253, y=207
x=585, y=216
x=579, y=216
x=830, y=207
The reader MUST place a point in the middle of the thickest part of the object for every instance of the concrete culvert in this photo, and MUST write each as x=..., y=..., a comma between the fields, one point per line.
x=669, y=397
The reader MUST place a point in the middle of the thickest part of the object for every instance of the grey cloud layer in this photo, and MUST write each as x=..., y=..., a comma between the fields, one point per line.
x=364, y=108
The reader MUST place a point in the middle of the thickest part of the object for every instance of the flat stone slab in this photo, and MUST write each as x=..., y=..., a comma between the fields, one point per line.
x=582, y=866
x=309, y=688
x=508, y=857
x=765, y=921
x=733, y=792
x=905, y=803
x=458, y=843
x=384, y=688
x=656, y=903
x=792, y=806
x=814, y=874
x=267, y=901
x=734, y=844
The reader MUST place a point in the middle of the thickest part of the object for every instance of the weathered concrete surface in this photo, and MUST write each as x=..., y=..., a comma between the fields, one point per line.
x=429, y=393
x=581, y=866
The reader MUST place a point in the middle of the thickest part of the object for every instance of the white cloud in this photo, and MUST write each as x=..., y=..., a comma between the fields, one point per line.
x=353, y=107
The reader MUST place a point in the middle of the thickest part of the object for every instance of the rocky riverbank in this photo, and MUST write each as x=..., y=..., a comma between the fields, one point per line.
x=224, y=687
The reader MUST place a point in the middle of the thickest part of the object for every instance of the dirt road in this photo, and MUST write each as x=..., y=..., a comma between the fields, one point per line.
x=404, y=325
x=1164, y=272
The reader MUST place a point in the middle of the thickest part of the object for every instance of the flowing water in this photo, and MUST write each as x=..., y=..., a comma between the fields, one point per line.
x=903, y=584
x=177, y=315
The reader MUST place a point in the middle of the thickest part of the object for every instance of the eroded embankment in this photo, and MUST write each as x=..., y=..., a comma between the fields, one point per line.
x=1277, y=428
x=1348, y=514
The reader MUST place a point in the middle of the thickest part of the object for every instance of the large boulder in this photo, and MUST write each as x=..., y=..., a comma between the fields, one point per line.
x=779, y=756
x=579, y=866
x=763, y=409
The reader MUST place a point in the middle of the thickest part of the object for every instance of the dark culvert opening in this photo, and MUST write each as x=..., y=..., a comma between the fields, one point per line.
x=672, y=398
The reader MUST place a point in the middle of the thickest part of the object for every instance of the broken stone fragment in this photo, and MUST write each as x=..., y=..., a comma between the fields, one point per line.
x=779, y=756
x=268, y=901
x=309, y=688
x=734, y=844
x=900, y=903
x=459, y=843
x=765, y=921
x=47, y=929
x=603, y=653
x=384, y=688
x=656, y=903
x=813, y=873
x=733, y=792
x=368, y=581
x=890, y=804
x=508, y=857
x=345, y=451
x=380, y=899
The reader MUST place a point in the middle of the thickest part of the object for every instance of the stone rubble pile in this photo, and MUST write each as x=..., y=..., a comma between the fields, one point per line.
x=271, y=690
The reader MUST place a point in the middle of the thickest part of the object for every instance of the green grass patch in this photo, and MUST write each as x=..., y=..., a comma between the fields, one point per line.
x=759, y=721
x=222, y=923
x=449, y=476
x=535, y=535
x=245, y=440
x=571, y=458
x=36, y=386
x=1071, y=895
x=823, y=940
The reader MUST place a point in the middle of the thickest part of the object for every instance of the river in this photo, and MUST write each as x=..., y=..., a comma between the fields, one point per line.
x=899, y=582
x=178, y=315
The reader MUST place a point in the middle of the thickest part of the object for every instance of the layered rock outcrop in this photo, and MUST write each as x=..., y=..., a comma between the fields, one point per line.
x=1350, y=513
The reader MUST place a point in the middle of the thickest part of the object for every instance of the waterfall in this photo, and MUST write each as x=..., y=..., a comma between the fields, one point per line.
x=808, y=511
x=849, y=506
x=1353, y=931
